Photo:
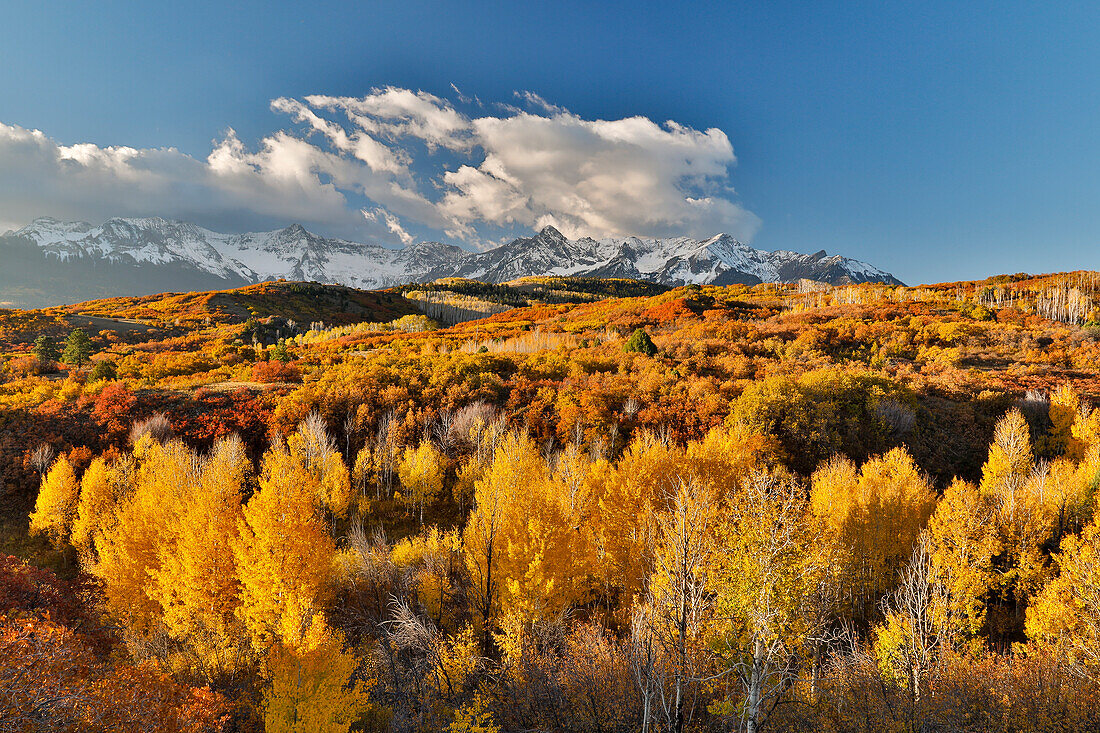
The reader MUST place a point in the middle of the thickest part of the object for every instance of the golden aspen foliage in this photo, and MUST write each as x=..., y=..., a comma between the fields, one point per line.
x=1065, y=615
x=421, y=474
x=875, y=514
x=283, y=553
x=518, y=541
x=314, y=684
x=196, y=580
x=679, y=599
x=144, y=531
x=912, y=637
x=1064, y=408
x=574, y=486
x=55, y=508
x=1068, y=495
x=474, y=717
x=1010, y=459
x=630, y=492
x=963, y=541
x=362, y=472
x=435, y=557
x=467, y=476
x=725, y=456
x=457, y=661
x=1086, y=428
x=770, y=573
x=103, y=487
x=1025, y=522
x=316, y=460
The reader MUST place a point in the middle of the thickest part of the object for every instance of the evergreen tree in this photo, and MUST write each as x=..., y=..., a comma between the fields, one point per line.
x=45, y=349
x=78, y=348
x=279, y=352
x=641, y=343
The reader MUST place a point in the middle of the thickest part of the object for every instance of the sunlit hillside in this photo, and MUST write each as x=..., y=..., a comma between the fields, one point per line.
x=556, y=504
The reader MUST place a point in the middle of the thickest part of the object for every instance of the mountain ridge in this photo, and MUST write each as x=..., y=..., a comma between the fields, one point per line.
x=148, y=248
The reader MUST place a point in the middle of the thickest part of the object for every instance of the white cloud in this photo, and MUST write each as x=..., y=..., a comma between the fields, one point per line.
x=232, y=189
x=398, y=113
x=397, y=160
x=600, y=178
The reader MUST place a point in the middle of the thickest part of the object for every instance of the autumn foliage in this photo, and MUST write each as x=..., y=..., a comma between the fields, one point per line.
x=859, y=508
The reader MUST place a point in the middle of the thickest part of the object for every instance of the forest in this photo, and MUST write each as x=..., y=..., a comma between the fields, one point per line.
x=554, y=505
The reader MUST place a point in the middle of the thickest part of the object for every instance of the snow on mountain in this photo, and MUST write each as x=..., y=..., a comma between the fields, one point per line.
x=296, y=254
x=721, y=260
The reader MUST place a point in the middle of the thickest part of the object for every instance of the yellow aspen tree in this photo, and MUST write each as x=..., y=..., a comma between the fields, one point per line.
x=770, y=571
x=442, y=556
x=283, y=553
x=1064, y=408
x=912, y=638
x=313, y=684
x=876, y=515
x=103, y=487
x=963, y=541
x=362, y=472
x=573, y=487
x=1086, y=428
x=537, y=553
x=679, y=597
x=1065, y=615
x=318, y=460
x=1010, y=459
x=1067, y=495
x=1023, y=520
x=55, y=508
x=421, y=474
x=725, y=456
x=197, y=584
x=517, y=542
x=433, y=557
x=144, y=531
x=467, y=476
x=630, y=493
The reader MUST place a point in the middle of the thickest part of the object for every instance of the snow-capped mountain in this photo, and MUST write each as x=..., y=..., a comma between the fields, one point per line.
x=157, y=254
x=720, y=260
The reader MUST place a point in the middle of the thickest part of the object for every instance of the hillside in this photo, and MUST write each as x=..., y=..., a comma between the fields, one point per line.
x=461, y=507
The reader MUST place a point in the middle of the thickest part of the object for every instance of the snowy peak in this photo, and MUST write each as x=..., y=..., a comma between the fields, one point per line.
x=297, y=254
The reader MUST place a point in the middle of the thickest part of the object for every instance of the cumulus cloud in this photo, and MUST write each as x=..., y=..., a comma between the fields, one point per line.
x=231, y=190
x=397, y=160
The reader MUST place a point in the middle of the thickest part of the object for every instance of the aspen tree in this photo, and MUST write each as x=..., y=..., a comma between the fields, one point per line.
x=679, y=597
x=876, y=514
x=317, y=460
x=144, y=530
x=283, y=553
x=962, y=543
x=314, y=685
x=769, y=573
x=55, y=508
x=421, y=474
x=630, y=493
x=1010, y=459
x=1065, y=406
x=1066, y=614
x=103, y=488
x=197, y=583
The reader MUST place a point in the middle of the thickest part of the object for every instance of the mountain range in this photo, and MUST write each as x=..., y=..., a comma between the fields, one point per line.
x=49, y=262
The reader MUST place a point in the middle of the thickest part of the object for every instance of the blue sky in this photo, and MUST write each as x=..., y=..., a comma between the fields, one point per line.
x=937, y=140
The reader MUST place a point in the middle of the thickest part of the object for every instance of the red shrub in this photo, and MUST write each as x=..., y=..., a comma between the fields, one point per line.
x=268, y=372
